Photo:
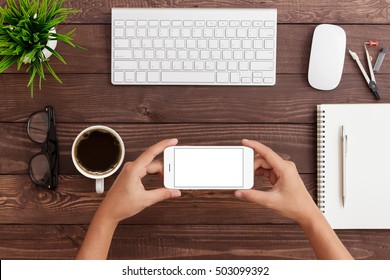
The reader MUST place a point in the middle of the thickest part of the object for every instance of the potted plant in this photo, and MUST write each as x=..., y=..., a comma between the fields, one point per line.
x=28, y=36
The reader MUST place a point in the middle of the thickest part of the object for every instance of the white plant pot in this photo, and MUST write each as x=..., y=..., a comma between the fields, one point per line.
x=51, y=44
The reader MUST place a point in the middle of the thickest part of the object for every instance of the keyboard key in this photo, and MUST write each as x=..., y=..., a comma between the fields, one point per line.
x=119, y=22
x=152, y=32
x=130, y=76
x=141, y=76
x=171, y=54
x=188, y=77
x=223, y=23
x=130, y=22
x=121, y=43
x=257, y=44
x=249, y=55
x=199, y=65
x=246, y=44
x=122, y=54
x=119, y=32
x=142, y=23
x=194, y=54
x=253, y=32
x=125, y=65
x=176, y=23
x=267, y=33
x=130, y=32
x=257, y=80
x=153, y=77
x=177, y=65
x=232, y=65
x=138, y=54
x=221, y=65
x=180, y=43
x=230, y=33
x=199, y=23
x=166, y=65
x=224, y=44
x=269, y=44
x=165, y=23
x=188, y=65
x=155, y=65
x=118, y=76
x=211, y=23
x=268, y=80
x=257, y=23
x=262, y=66
x=135, y=43
x=182, y=54
x=245, y=23
x=234, y=23
x=210, y=65
x=241, y=33
x=235, y=77
x=188, y=23
x=264, y=55
x=245, y=80
x=236, y=44
x=222, y=77
x=141, y=32
x=153, y=23
x=143, y=65
x=269, y=23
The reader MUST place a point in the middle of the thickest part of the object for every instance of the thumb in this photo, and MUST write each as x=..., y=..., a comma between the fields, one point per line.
x=259, y=197
x=157, y=195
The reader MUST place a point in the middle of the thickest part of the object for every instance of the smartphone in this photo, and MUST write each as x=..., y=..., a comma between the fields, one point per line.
x=208, y=167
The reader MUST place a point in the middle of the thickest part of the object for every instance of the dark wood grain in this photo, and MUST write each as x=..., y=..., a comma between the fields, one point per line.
x=41, y=224
x=92, y=98
x=75, y=202
x=317, y=11
x=185, y=242
x=297, y=142
x=293, y=52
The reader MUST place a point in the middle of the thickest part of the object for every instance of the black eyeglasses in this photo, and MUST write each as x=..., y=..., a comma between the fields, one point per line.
x=41, y=129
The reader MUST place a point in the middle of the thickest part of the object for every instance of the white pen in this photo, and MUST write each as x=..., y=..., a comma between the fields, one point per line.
x=345, y=145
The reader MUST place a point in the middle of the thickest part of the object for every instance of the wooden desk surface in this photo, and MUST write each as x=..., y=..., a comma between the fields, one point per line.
x=35, y=223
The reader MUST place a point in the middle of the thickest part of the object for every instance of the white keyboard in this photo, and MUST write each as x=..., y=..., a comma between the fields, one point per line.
x=183, y=46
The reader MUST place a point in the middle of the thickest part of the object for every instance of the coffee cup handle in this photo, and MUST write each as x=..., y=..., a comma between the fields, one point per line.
x=100, y=185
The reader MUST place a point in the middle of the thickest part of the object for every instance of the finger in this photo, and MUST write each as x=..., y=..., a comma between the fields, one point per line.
x=147, y=157
x=157, y=195
x=272, y=158
x=259, y=197
x=261, y=163
x=155, y=167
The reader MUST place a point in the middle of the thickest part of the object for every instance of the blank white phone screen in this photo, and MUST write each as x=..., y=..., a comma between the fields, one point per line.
x=208, y=167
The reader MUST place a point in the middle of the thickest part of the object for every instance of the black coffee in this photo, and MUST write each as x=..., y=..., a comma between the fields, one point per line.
x=98, y=151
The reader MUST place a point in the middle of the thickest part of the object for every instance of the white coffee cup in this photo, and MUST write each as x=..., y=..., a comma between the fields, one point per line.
x=98, y=176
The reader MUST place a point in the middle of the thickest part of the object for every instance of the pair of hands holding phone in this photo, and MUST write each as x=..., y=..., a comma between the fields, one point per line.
x=288, y=196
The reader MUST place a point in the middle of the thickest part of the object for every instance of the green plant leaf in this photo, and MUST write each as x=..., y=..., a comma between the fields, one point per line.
x=52, y=72
x=6, y=62
x=56, y=54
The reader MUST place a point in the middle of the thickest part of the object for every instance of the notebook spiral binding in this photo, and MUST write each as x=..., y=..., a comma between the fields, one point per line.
x=321, y=176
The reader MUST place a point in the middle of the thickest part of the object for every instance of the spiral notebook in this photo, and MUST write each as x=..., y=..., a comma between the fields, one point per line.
x=367, y=201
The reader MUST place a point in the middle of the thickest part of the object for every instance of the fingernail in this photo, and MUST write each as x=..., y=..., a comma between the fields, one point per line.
x=175, y=193
x=238, y=194
x=245, y=140
x=174, y=139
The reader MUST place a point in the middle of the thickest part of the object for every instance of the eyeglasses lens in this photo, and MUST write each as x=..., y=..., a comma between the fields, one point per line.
x=38, y=127
x=40, y=169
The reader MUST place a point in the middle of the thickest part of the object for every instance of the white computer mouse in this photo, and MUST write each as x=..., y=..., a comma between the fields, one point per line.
x=327, y=57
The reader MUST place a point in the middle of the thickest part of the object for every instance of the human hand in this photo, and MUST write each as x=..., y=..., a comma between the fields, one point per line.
x=127, y=195
x=288, y=196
